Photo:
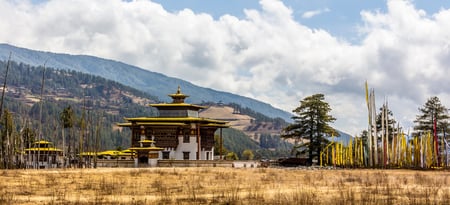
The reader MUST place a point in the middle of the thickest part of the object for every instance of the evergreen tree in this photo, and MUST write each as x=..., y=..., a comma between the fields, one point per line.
x=28, y=136
x=433, y=113
x=8, y=140
x=248, y=154
x=232, y=156
x=217, y=146
x=311, y=125
x=390, y=127
x=364, y=137
x=67, y=117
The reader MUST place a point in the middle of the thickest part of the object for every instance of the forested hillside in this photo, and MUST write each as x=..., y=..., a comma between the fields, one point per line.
x=142, y=79
x=94, y=100
x=271, y=147
x=97, y=104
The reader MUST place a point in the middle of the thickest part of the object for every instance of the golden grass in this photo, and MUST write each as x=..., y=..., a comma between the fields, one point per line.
x=223, y=186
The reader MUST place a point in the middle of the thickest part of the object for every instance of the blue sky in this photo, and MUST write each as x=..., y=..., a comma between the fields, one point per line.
x=339, y=17
x=275, y=51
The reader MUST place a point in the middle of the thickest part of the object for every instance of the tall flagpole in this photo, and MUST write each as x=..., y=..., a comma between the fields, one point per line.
x=436, y=144
x=382, y=134
x=387, y=134
x=40, y=116
x=369, y=135
x=4, y=84
x=374, y=134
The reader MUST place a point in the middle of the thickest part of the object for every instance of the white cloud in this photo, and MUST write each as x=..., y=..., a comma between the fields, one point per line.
x=404, y=53
x=310, y=14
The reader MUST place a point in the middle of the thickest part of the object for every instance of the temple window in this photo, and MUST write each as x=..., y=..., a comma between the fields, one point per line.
x=186, y=155
x=165, y=155
x=186, y=138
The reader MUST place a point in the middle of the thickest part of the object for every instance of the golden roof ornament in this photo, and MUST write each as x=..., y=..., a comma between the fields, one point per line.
x=178, y=97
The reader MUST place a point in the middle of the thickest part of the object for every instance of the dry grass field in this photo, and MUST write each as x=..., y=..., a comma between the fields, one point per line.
x=223, y=186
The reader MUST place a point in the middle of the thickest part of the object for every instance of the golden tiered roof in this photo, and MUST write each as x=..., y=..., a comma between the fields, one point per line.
x=173, y=119
x=179, y=121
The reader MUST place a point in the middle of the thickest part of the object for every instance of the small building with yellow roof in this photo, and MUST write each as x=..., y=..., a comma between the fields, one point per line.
x=43, y=155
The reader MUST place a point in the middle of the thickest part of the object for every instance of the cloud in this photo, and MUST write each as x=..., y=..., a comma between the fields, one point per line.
x=310, y=14
x=404, y=49
x=404, y=52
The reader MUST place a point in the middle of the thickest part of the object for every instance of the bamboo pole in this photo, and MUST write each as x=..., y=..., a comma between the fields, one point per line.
x=64, y=146
x=387, y=161
x=3, y=138
x=40, y=115
x=4, y=85
x=382, y=136
x=361, y=154
x=369, y=114
x=375, y=134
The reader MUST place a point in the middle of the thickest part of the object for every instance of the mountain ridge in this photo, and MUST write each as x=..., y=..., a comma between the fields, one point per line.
x=154, y=83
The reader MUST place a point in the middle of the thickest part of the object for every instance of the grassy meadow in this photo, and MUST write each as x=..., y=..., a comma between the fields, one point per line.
x=223, y=186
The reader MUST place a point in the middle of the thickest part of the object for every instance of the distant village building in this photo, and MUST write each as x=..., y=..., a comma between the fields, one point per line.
x=177, y=133
x=43, y=155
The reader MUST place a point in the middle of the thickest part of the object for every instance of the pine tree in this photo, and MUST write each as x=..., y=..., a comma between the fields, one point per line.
x=431, y=114
x=433, y=120
x=8, y=139
x=248, y=154
x=390, y=128
x=311, y=126
x=67, y=118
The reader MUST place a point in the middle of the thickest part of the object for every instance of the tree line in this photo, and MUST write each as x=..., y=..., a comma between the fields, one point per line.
x=237, y=145
x=73, y=108
x=425, y=147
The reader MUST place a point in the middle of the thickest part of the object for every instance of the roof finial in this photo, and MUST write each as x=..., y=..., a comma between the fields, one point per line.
x=178, y=97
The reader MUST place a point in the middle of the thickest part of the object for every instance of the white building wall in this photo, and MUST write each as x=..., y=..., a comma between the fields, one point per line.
x=190, y=147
